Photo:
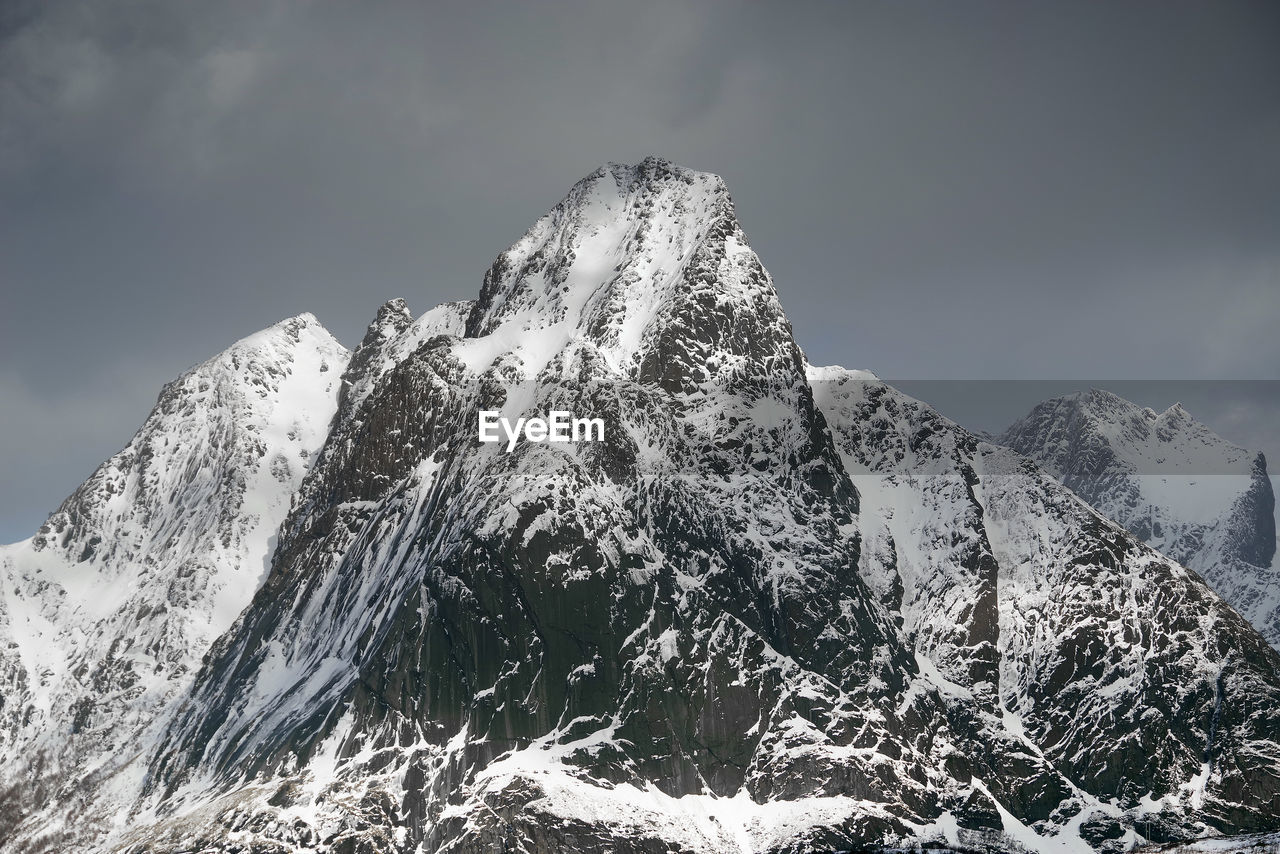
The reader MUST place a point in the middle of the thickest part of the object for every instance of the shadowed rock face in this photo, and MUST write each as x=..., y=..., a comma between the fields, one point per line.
x=1251, y=530
x=1172, y=483
x=728, y=626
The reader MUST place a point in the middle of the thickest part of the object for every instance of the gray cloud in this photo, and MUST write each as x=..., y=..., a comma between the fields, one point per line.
x=975, y=190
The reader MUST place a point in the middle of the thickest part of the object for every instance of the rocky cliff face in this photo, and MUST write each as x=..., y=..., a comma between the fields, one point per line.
x=1171, y=482
x=741, y=622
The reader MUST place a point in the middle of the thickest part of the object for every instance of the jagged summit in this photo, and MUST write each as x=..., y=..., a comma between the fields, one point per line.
x=1133, y=436
x=270, y=374
x=629, y=245
x=610, y=266
x=280, y=336
x=393, y=317
x=655, y=174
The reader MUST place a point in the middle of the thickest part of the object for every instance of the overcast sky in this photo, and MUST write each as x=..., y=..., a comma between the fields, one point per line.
x=950, y=190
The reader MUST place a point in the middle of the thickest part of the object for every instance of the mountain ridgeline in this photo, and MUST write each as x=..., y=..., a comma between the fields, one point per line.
x=778, y=608
x=1172, y=483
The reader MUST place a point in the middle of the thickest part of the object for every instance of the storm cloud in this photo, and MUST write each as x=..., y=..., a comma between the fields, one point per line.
x=983, y=191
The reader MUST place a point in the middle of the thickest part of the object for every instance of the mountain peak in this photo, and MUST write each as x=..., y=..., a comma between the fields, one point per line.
x=1136, y=437
x=154, y=556
x=392, y=310
x=293, y=326
x=393, y=317
x=1098, y=401
x=1177, y=413
x=391, y=335
x=280, y=338
x=653, y=173
x=633, y=260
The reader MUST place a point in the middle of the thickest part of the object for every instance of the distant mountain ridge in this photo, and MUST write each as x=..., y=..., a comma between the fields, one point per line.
x=779, y=608
x=1173, y=483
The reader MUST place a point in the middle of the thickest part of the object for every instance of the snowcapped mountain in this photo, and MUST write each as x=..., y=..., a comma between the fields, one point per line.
x=1173, y=483
x=777, y=608
x=107, y=611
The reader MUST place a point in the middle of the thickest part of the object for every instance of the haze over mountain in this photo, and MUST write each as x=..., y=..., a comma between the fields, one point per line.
x=1173, y=483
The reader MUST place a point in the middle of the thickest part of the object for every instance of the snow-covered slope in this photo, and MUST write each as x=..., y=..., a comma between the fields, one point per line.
x=107, y=611
x=1172, y=482
x=1095, y=666
x=776, y=609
